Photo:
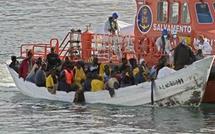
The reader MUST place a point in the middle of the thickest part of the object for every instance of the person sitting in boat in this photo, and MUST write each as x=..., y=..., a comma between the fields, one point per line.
x=126, y=77
x=80, y=75
x=163, y=43
x=166, y=70
x=183, y=55
x=124, y=65
x=94, y=67
x=65, y=62
x=40, y=76
x=199, y=55
x=155, y=69
x=111, y=25
x=66, y=80
x=203, y=44
x=87, y=82
x=97, y=84
x=136, y=74
x=26, y=65
x=53, y=59
x=31, y=76
x=144, y=70
x=14, y=64
x=107, y=73
x=51, y=81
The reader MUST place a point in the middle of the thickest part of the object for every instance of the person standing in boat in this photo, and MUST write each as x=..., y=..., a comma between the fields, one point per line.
x=26, y=65
x=163, y=43
x=14, y=64
x=203, y=44
x=53, y=59
x=111, y=25
x=183, y=55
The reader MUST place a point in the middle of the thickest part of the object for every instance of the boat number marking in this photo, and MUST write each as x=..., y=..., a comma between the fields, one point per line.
x=172, y=83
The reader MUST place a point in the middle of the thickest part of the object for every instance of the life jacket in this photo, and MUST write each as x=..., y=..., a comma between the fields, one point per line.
x=49, y=81
x=79, y=75
x=97, y=85
x=69, y=76
x=135, y=71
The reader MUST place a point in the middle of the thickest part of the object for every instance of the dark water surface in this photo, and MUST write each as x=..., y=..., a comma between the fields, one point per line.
x=25, y=21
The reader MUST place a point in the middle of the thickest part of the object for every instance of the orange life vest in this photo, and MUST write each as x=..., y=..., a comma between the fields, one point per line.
x=69, y=76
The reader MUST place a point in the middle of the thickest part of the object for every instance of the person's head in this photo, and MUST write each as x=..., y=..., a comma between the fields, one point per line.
x=174, y=33
x=107, y=70
x=69, y=66
x=124, y=61
x=201, y=38
x=52, y=49
x=163, y=61
x=13, y=58
x=183, y=42
x=66, y=58
x=165, y=33
x=115, y=15
x=79, y=64
x=133, y=62
x=39, y=61
x=95, y=60
x=199, y=52
x=29, y=54
x=43, y=66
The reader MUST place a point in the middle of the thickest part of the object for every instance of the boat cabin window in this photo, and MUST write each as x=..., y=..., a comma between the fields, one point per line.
x=162, y=11
x=185, y=15
x=203, y=13
x=174, y=12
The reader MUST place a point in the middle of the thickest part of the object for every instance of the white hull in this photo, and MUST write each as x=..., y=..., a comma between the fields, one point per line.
x=181, y=87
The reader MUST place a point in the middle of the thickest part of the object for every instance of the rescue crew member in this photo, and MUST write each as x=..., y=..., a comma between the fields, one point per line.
x=111, y=25
x=203, y=44
x=26, y=65
x=163, y=43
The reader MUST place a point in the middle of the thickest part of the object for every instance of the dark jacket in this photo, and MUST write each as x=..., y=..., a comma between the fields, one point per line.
x=53, y=60
x=40, y=78
x=183, y=55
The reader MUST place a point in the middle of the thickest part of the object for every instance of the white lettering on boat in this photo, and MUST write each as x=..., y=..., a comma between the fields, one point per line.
x=170, y=27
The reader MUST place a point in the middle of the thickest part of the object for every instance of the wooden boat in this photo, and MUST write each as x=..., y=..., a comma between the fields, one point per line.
x=185, y=86
x=150, y=19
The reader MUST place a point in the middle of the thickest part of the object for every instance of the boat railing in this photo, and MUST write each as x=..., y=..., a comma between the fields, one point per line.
x=107, y=48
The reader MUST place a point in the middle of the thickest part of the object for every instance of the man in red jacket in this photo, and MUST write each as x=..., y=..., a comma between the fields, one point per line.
x=26, y=65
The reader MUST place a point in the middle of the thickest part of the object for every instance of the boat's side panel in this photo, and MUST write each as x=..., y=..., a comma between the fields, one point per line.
x=179, y=86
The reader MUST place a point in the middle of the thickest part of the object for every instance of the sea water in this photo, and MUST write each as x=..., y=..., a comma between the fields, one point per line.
x=26, y=21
